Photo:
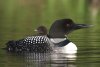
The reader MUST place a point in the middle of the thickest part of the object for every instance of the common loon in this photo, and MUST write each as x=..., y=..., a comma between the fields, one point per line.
x=55, y=40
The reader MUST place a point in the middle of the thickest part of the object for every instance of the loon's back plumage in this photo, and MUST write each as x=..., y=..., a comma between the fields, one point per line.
x=30, y=44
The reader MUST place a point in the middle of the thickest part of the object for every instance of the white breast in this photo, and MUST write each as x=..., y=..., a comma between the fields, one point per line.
x=70, y=48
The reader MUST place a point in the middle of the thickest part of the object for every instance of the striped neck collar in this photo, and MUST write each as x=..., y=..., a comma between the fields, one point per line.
x=60, y=42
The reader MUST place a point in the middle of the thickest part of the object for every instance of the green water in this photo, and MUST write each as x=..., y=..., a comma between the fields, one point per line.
x=88, y=55
x=19, y=18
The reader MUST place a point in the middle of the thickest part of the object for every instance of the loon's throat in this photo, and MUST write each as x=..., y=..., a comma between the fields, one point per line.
x=57, y=40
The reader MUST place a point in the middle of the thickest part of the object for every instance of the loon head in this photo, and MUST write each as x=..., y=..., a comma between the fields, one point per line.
x=62, y=27
x=41, y=30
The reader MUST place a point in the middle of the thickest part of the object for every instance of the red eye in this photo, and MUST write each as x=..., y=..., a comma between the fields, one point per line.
x=68, y=25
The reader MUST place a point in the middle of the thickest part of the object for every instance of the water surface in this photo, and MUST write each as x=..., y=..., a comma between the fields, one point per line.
x=88, y=55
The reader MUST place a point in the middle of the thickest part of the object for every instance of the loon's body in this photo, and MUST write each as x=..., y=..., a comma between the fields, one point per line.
x=30, y=44
x=55, y=40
